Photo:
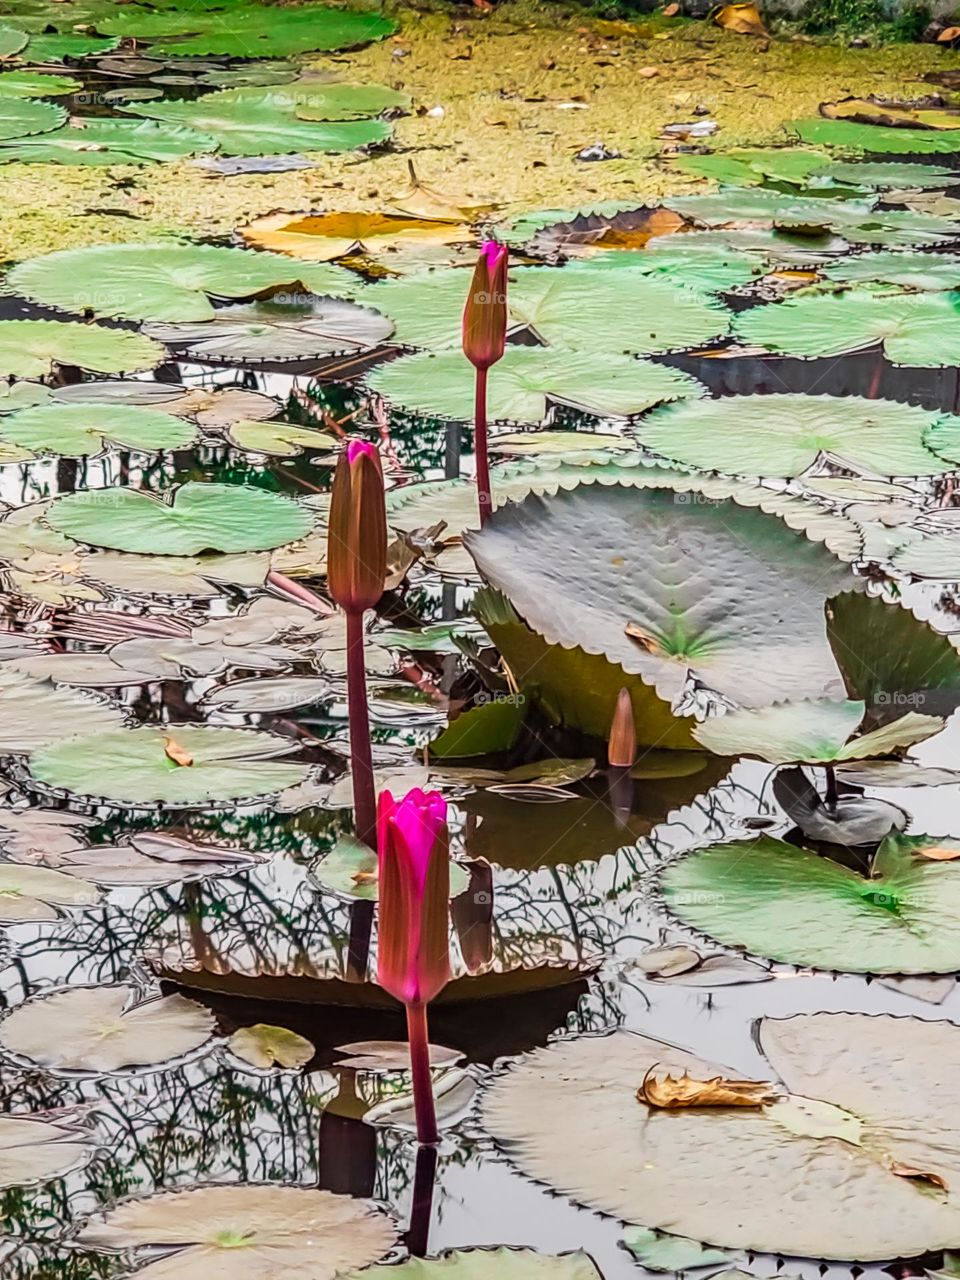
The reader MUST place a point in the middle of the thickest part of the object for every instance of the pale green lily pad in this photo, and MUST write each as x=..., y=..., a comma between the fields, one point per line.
x=933, y=555
x=878, y=139
x=788, y=904
x=36, y=84
x=158, y=282
x=263, y=1046
x=105, y=142
x=133, y=767
x=502, y=1263
x=752, y=167
x=490, y=727
x=279, y=439
x=526, y=381
x=20, y=117
x=35, y=893
x=924, y=271
x=920, y=329
x=34, y=713
x=77, y=430
x=55, y=47
x=658, y=1252
x=312, y=99
x=891, y=174
x=350, y=870
x=811, y=732
x=568, y=1116
x=786, y=435
x=12, y=40
x=30, y=348
x=199, y=518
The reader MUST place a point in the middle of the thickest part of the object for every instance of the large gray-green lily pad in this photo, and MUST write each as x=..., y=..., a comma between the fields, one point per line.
x=921, y=329
x=501, y=1263
x=244, y=1231
x=30, y=348
x=104, y=1029
x=214, y=407
x=264, y=331
x=930, y=271
x=568, y=1115
x=667, y=587
x=137, y=766
x=34, y=1149
x=784, y=903
x=567, y=308
x=811, y=732
x=198, y=518
x=34, y=713
x=93, y=141
x=159, y=282
x=786, y=435
x=75, y=430
x=36, y=893
x=526, y=381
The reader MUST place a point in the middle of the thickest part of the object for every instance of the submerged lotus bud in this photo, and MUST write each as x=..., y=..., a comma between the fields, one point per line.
x=622, y=746
x=357, y=537
x=413, y=847
x=485, y=315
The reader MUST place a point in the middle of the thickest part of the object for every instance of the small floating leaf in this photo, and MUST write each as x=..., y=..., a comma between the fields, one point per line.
x=264, y=1046
x=656, y=1251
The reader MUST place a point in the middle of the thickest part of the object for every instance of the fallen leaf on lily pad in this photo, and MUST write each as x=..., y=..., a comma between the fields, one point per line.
x=320, y=237
x=264, y=1046
x=672, y=1093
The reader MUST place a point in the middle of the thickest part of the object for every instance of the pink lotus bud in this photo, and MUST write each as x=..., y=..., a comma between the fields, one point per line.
x=413, y=846
x=357, y=536
x=485, y=315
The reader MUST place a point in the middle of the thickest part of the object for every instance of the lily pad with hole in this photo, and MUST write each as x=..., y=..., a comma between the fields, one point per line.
x=30, y=348
x=141, y=767
x=74, y=431
x=783, y=903
x=921, y=330
x=245, y=1230
x=33, y=713
x=811, y=732
x=36, y=893
x=568, y=1116
x=35, y=1150
x=846, y=135
x=106, y=142
x=527, y=381
x=500, y=1263
x=104, y=1029
x=787, y=435
x=214, y=407
x=157, y=282
x=198, y=518
x=267, y=332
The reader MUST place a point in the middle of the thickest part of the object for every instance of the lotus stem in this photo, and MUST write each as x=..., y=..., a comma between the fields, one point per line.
x=361, y=759
x=832, y=793
x=424, y=1178
x=423, y=1102
x=484, y=498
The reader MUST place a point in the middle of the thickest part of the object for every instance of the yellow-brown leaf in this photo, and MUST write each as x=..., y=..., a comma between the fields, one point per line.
x=175, y=752
x=743, y=19
x=670, y=1094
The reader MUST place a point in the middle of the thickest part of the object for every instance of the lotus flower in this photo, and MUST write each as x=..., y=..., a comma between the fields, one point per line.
x=484, y=339
x=413, y=847
x=356, y=569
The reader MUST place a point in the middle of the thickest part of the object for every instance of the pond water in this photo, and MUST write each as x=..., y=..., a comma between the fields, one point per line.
x=725, y=435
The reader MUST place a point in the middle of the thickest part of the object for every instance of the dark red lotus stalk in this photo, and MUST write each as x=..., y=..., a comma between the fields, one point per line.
x=356, y=571
x=484, y=339
x=413, y=947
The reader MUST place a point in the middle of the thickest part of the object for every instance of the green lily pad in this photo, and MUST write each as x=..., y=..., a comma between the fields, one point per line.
x=279, y=439
x=526, y=381
x=106, y=142
x=658, y=1252
x=36, y=84
x=30, y=348
x=262, y=1046
x=753, y=167
x=51, y=47
x=34, y=713
x=134, y=767
x=20, y=117
x=811, y=732
x=878, y=174
x=12, y=40
x=253, y=30
x=349, y=871
x=878, y=139
x=700, y=271
x=158, y=282
x=501, y=1263
x=76, y=430
x=252, y=129
x=312, y=99
x=491, y=726
x=786, y=435
x=199, y=518
x=568, y=309
x=909, y=270
x=920, y=330
x=789, y=904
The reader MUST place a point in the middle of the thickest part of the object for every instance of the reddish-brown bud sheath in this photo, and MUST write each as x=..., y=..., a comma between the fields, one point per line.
x=485, y=314
x=622, y=747
x=357, y=535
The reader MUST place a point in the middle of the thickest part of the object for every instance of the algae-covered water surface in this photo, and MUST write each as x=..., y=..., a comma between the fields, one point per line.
x=479, y=565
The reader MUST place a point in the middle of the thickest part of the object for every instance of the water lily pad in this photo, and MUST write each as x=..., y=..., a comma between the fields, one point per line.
x=743, y=168
x=55, y=47
x=207, y=1231
x=267, y=332
x=74, y=431
x=12, y=40
x=281, y=693
x=811, y=732
x=21, y=117
x=156, y=282
x=317, y=99
x=568, y=1115
x=264, y=1046
x=135, y=766
x=526, y=381
x=35, y=893
x=279, y=439
x=866, y=173
x=36, y=84
x=255, y=129
x=200, y=517
x=909, y=270
x=213, y=407
x=35, y=1150
x=846, y=135
x=784, y=903
x=659, y=1252
x=786, y=435
x=173, y=575
x=653, y=605
x=349, y=871
x=106, y=142
x=913, y=329
x=154, y=859
x=30, y=348
x=502, y=1263
x=103, y=1029
x=34, y=713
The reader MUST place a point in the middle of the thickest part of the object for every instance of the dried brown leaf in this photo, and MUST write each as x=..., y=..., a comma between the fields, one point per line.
x=743, y=19
x=671, y=1093
x=919, y=1175
x=175, y=752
